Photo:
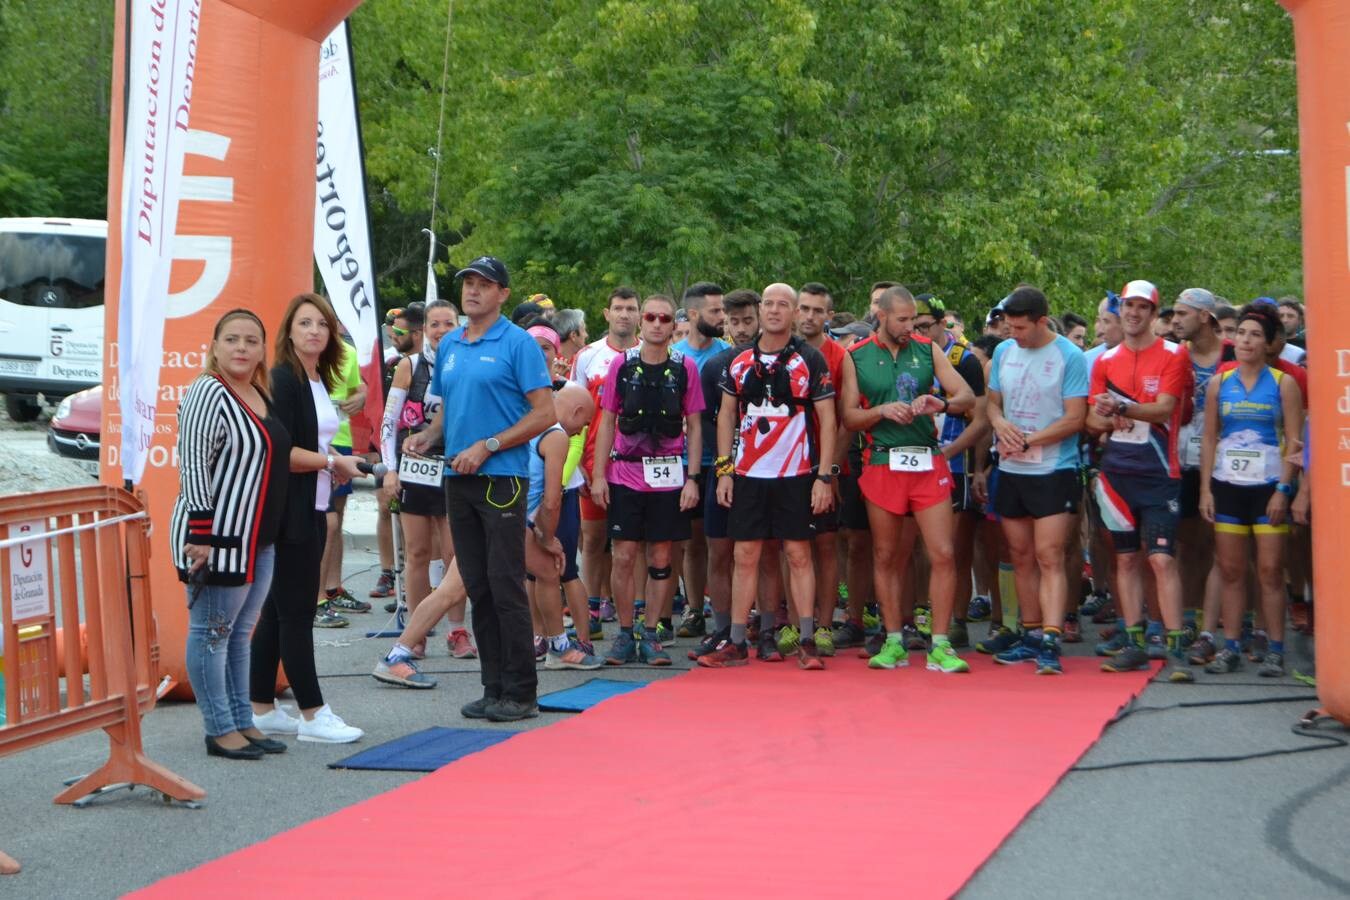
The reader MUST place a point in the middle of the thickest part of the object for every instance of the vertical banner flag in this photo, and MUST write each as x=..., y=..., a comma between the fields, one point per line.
x=342, y=246
x=161, y=63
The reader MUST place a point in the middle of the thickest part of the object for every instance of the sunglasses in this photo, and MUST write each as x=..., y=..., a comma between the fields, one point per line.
x=399, y=332
x=663, y=318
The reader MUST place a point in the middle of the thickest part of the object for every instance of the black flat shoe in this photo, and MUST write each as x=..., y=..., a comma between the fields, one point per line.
x=249, y=752
x=266, y=744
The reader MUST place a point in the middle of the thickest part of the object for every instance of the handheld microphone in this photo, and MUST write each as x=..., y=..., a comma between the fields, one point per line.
x=377, y=470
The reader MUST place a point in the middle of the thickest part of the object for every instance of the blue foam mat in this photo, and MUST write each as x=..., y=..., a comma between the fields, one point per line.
x=423, y=751
x=584, y=696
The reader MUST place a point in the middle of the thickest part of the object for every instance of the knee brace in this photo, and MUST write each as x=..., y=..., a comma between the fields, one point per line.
x=656, y=574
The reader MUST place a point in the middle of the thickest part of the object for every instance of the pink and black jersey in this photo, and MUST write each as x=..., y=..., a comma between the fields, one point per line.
x=775, y=391
x=1164, y=367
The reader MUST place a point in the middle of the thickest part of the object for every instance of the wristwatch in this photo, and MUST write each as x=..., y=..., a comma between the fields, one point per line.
x=827, y=478
x=492, y=445
x=1285, y=488
x=834, y=470
x=1122, y=406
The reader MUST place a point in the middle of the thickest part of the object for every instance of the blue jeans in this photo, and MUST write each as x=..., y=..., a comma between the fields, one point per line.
x=220, y=624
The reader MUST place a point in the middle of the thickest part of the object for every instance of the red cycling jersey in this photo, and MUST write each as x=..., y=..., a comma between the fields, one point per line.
x=1141, y=376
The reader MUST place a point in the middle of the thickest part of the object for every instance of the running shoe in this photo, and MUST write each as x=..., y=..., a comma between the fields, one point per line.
x=752, y=626
x=623, y=650
x=841, y=593
x=980, y=609
x=651, y=654
x=403, y=673
x=572, y=658
x=1025, y=650
x=540, y=648
x=391, y=607
x=460, y=644
x=343, y=601
x=1119, y=641
x=325, y=617
x=1155, y=645
x=1202, y=652
x=958, y=634
x=788, y=638
x=1096, y=603
x=1225, y=663
x=1073, y=630
x=824, y=640
x=693, y=624
x=1131, y=659
x=597, y=629
x=586, y=646
x=726, y=655
x=1047, y=661
x=871, y=622
x=914, y=639
x=607, y=611
x=1176, y=671
x=892, y=655
x=1260, y=646
x=943, y=658
x=710, y=642
x=384, y=586
x=923, y=620
x=872, y=646
x=664, y=635
x=1300, y=614
x=847, y=634
x=1272, y=666
x=808, y=655
x=678, y=603
x=767, y=648
x=999, y=640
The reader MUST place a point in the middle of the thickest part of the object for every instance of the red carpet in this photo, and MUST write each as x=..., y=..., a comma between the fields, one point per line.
x=973, y=753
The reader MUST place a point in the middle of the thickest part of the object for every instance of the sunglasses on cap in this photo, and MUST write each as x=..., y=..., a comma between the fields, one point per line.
x=393, y=314
x=663, y=318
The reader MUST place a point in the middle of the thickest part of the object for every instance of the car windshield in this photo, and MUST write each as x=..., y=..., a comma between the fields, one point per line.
x=58, y=271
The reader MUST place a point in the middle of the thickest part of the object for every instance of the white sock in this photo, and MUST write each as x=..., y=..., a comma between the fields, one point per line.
x=435, y=572
x=558, y=643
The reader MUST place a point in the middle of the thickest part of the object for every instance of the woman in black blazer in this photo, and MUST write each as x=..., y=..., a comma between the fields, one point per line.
x=308, y=352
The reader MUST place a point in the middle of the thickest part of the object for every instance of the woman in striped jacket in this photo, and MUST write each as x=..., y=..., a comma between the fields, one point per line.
x=233, y=456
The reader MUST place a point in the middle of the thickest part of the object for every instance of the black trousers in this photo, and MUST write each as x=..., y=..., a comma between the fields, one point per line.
x=285, y=631
x=487, y=521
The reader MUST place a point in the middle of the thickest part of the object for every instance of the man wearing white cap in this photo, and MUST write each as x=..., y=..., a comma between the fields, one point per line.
x=1139, y=396
x=1195, y=538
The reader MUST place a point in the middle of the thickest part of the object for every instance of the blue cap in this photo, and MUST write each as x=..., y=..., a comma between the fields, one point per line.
x=489, y=267
x=1265, y=301
x=1113, y=303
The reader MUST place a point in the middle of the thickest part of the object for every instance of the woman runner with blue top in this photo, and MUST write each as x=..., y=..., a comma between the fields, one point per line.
x=1252, y=412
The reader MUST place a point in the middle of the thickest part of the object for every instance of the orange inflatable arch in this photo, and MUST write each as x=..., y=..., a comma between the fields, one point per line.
x=245, y=239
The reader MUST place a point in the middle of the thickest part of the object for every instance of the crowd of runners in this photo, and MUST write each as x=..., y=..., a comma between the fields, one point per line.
x=790, y=483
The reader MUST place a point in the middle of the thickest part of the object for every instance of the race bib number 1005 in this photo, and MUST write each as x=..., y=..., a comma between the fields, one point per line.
x=416, y=470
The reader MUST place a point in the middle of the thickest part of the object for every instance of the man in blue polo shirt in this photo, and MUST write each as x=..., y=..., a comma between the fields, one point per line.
x=496, y=395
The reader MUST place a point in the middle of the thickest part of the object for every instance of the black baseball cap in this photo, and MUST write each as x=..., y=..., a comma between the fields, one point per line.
x=490, y=267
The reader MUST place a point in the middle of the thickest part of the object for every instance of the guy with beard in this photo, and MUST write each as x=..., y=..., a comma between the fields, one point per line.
x=703, y=304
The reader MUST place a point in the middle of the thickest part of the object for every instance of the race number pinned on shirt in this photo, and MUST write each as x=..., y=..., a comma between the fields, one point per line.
x=767, y=410
x=1190, y=450
x=417, y=470
x=1243, y=466
x=911, y=459
x=1137, y=433
x=662, y=471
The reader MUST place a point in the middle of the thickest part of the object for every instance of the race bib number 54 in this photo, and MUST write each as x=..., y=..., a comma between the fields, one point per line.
x=662, y=471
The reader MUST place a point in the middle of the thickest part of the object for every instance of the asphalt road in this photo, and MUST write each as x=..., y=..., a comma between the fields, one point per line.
x=1267, y=828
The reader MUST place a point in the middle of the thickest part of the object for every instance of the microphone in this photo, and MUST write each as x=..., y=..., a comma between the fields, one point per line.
x=376, y=471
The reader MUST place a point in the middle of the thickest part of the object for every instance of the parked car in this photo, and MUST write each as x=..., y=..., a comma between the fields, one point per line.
x=74, y=429
x=51, y=310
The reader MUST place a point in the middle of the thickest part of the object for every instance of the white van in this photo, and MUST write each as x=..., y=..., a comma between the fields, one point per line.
x=51, y=310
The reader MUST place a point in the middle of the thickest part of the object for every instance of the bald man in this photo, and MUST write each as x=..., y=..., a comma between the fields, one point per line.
x=778, y=392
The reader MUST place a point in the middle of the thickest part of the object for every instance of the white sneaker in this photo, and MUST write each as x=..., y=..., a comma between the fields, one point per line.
x=327, y=728
x=278, y=721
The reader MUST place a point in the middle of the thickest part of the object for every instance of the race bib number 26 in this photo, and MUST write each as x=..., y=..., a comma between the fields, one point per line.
x=911, y=459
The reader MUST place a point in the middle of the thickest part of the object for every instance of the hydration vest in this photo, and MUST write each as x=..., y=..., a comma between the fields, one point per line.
x=651, y=397
x=773, y=383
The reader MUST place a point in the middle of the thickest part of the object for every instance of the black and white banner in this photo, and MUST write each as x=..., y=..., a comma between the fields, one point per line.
x=342, y=248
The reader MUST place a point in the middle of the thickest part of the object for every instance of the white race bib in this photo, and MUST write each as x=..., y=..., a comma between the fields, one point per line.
x=1190, y=451
x=1137, y=433
x=662, y=471
x=911, y=459
x=767, y=410
x=1243, y=466
x=416, y=470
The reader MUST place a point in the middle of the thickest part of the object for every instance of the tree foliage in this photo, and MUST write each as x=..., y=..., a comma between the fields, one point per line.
x=960, y=146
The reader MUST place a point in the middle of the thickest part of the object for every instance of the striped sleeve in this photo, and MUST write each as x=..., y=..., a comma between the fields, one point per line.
x=199, y=439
